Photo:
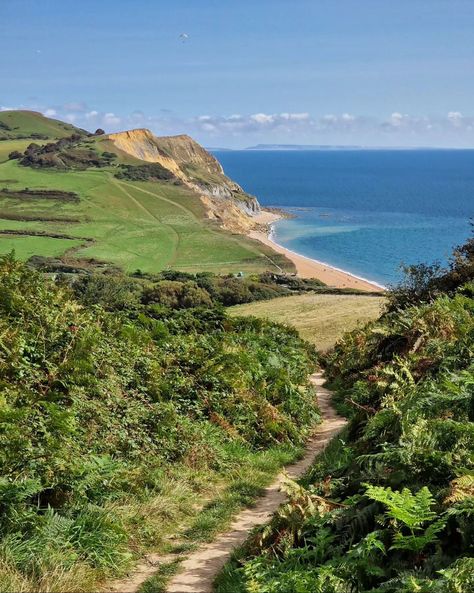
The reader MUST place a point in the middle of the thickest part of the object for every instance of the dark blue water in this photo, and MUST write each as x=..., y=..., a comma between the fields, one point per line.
x=364, y=211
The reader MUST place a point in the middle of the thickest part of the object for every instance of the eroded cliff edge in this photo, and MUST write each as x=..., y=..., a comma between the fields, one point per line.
x=224, y=199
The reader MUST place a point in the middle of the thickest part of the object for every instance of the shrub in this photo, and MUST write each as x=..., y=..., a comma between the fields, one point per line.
x=151, y=171
x=15, y=154
x=95, y=403
x=66, y=153
x=423, y=283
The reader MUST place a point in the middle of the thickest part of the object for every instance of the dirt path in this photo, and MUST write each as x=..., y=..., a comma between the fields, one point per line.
x=200, y=568
x=162, y=198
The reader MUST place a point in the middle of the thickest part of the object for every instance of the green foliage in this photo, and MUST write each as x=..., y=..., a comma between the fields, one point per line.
x=423, y=283
x=39, y=194
x=97, y=406
x=177, y=295
x=398, y=492
x=148, y=172
x=168, y=290
x=412, y=511
x=113, y=292
x=65, y=153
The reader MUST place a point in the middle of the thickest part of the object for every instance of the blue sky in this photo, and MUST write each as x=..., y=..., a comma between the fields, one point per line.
x=376, y=72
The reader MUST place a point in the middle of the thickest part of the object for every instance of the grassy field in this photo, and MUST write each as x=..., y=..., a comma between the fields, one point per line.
x=25, y=246
x=6, y=147
x=320, y=318
x=141, y=225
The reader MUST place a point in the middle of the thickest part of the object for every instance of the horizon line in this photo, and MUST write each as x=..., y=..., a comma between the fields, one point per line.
x=334, y=147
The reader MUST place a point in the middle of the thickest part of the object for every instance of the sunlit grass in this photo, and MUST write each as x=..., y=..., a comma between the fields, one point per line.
x=319, y=318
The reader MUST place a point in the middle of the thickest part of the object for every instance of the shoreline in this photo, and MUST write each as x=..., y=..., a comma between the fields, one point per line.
x=307, y=267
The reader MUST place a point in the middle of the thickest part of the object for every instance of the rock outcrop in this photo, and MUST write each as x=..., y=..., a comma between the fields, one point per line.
x=195, y=167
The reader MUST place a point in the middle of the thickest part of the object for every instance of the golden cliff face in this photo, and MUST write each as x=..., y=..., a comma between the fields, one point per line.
x=187, y=151
x=172, y=152
x=141, y=144
x=197, y=168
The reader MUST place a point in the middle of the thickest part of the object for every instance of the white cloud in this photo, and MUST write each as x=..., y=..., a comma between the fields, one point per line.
x=237, y=124
x=295, y=116
x=209, y=127
x=397, y=128
x=456, y=118
x=110, y=119
x=345, y=122
x=397, y=119
x=262, y=118
x=402, y=123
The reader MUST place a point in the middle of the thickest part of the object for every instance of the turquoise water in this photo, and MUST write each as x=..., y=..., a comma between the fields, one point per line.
x=365, y=211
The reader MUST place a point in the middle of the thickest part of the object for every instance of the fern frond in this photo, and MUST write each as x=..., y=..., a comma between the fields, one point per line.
x=460, y=489
x=411, y=509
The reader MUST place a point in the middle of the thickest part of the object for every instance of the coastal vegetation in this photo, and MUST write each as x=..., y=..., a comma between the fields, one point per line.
x=144, y=172
x=388, y=508
x=131, y=413
x=154, y=368
x=69, y=153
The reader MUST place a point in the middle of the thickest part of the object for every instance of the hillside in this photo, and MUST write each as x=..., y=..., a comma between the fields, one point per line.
x=176, y=211
x=196, y=167
x=34, y=125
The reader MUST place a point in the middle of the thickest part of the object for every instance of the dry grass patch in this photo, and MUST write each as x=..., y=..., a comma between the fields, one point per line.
x=319, y=318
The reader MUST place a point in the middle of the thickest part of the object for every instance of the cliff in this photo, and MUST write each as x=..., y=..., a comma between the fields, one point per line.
x=224, y=199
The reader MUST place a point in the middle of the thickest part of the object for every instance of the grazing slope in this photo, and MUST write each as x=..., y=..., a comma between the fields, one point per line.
x=128, y=217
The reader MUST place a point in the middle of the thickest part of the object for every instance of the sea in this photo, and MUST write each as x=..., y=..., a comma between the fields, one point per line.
x=369, y=212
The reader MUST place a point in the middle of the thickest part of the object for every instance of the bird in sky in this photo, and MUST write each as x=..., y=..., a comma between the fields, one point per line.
x=184, y=37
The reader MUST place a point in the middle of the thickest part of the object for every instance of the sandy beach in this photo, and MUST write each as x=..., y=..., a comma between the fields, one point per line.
x=305, y=266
